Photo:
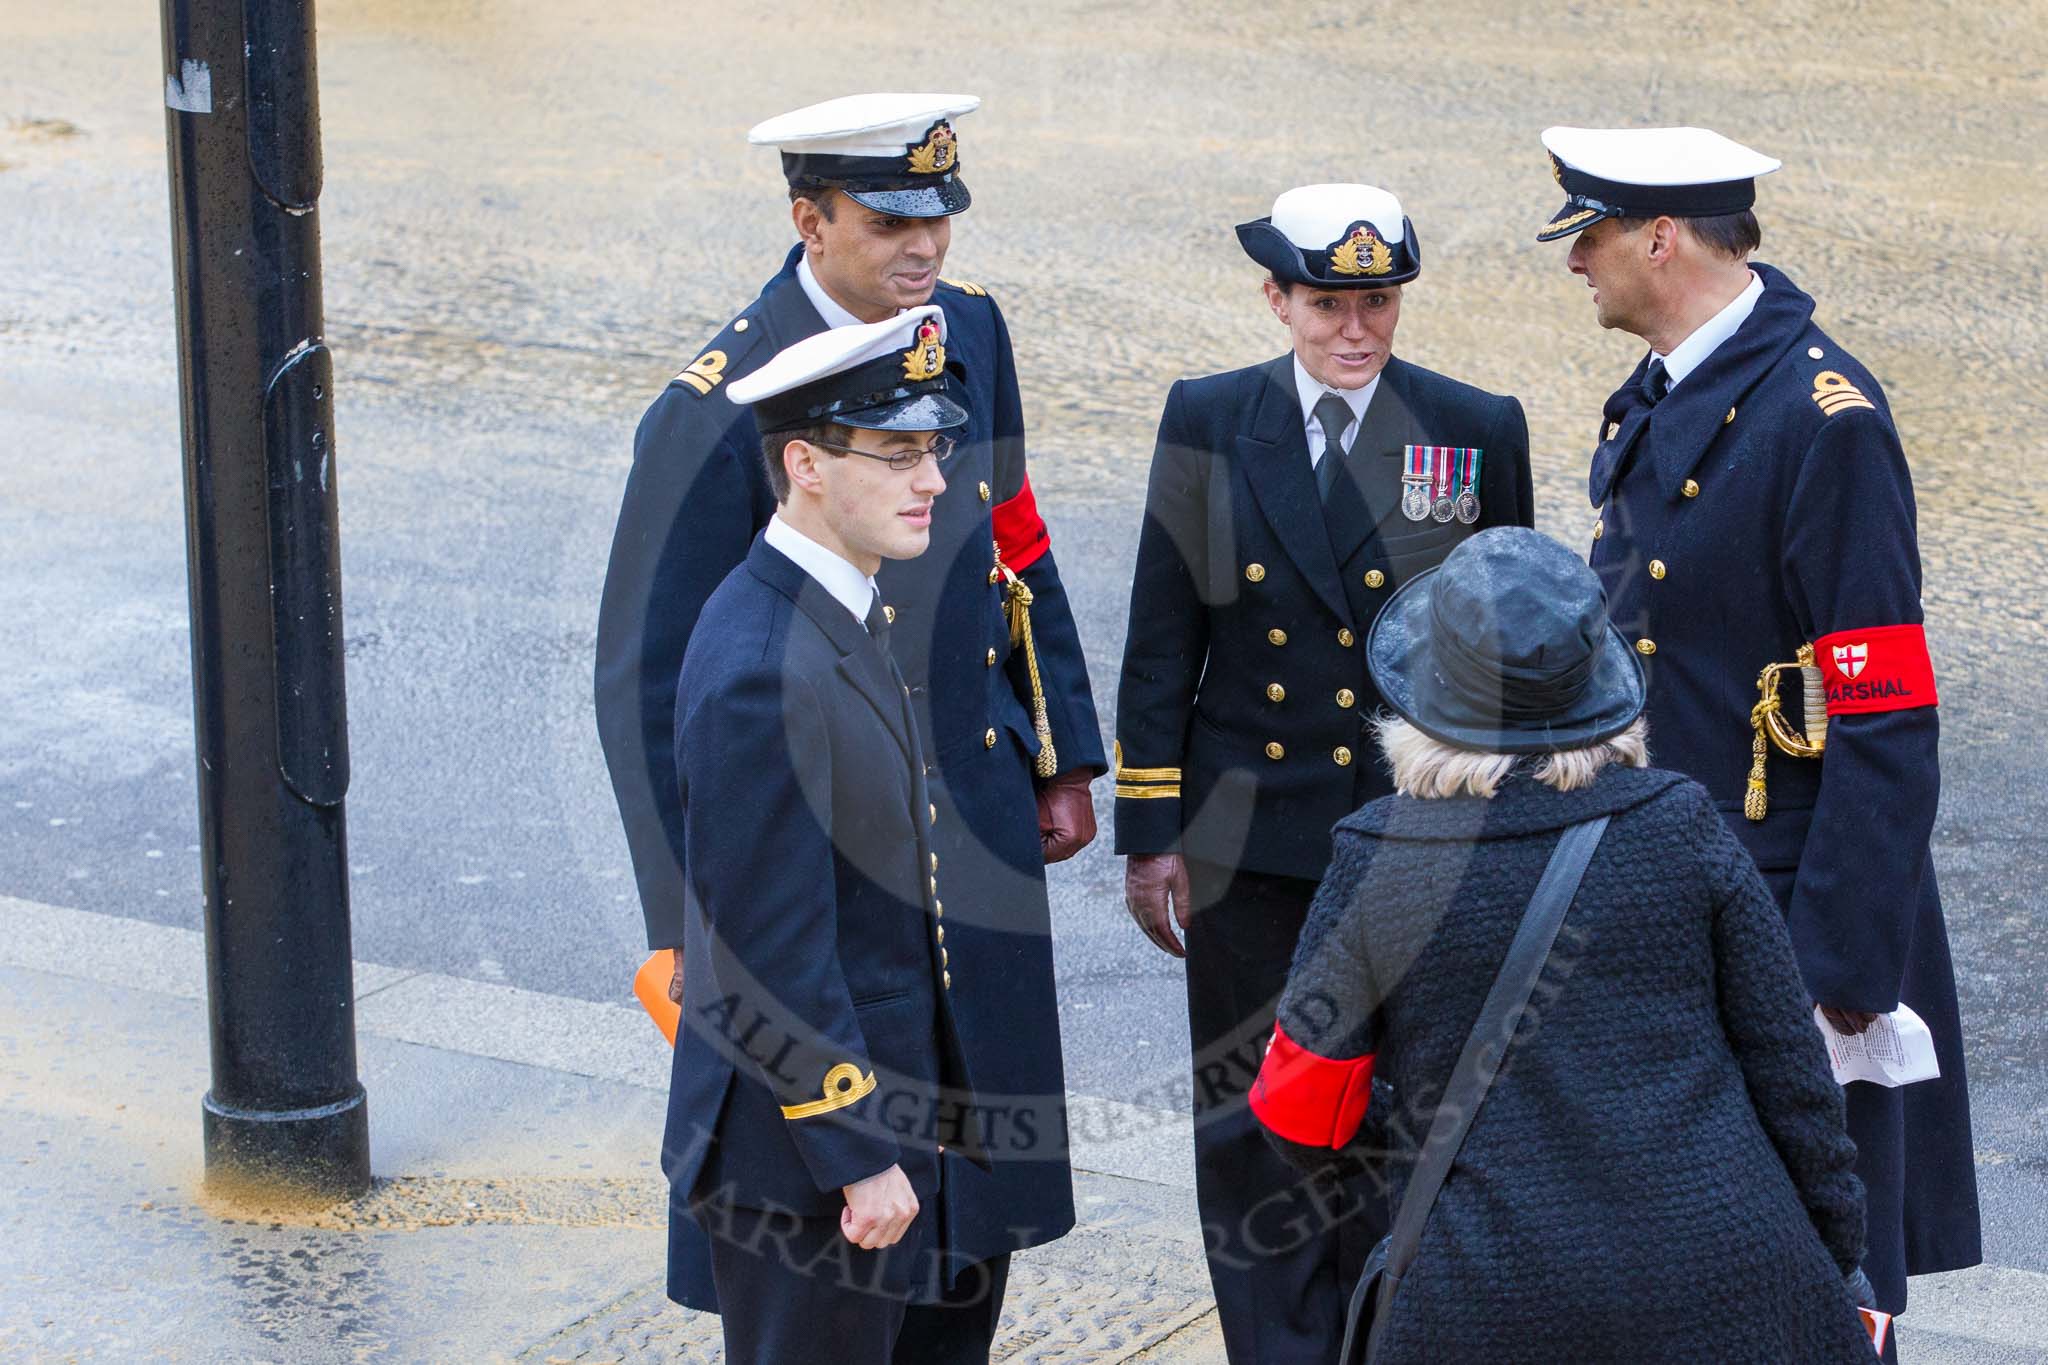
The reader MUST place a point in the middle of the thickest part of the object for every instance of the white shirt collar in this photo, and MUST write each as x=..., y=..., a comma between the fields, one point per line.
x=827, y=306
x=849, y=587
x=1309, y=388
x=1688, y=354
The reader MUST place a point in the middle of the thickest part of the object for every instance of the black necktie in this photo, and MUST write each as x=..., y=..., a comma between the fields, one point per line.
x=1656, y=382
x=1334, y=414
x=878, y=622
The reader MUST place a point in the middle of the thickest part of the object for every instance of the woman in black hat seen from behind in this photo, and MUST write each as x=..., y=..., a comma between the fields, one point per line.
x=1659, y=1170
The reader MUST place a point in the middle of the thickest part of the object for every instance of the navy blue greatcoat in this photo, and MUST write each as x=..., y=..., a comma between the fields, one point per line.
x=1244, y=585
x=1765, y=504
x=818, y=1045
x=695, y=498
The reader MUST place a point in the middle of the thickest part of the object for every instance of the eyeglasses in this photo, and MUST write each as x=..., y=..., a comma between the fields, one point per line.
x=941, y=450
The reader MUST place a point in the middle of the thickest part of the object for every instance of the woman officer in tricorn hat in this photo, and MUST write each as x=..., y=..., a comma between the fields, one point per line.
x=1287, y=501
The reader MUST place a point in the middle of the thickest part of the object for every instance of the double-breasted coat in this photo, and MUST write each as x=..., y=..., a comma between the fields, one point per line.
x=1762, y=505
x=695, y=498
x=1241, y=724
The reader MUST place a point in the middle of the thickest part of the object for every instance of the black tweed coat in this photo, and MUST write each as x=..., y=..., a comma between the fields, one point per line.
x=1660, y=1171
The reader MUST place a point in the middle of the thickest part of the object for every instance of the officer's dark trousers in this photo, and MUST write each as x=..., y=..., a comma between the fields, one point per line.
x=957, y=1329
x=1284, y=1249
x=794, y=1291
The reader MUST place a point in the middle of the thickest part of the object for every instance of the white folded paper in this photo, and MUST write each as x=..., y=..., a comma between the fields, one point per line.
x=1896, y=1049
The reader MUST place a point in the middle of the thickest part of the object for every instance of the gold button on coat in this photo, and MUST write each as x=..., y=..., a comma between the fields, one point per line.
x=933, y=882
x=1346, y=638
x=1690, y=488
x=1342, y=755
x=938, y=909
x=1277, y=636
x=889, y=613
x=1274, y=750
x=1657, y=569
x=988, y=739
x=947, y=977
x=1345, y=697
x=1646, y=647
x=991, y=662
x=1275, y=692
x=1255, y=573
x=935, y=862
x=932, y=818
x=944, y=957
x=1729, y=418
x=941, y=932
x=995, y=575
x=1599, y=529
x=984, y=492
x=1375, y=579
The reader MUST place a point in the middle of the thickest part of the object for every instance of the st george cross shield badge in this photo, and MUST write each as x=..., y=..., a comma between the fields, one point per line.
x=1850, y=659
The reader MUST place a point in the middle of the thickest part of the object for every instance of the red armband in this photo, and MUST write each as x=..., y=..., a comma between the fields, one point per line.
x=1316, y=1101
x=1020, y=532
x=1882, y=668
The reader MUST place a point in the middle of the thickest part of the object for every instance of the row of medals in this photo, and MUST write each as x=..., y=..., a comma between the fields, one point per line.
x=1417, y=505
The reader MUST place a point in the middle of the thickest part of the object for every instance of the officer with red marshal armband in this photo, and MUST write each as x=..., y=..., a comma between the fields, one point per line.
x=1756, y=539
x=981, y=629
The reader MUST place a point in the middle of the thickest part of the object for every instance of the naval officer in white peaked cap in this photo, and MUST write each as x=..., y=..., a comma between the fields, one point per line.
x=983, y=633
x=1755, y=508
x=1287, y=501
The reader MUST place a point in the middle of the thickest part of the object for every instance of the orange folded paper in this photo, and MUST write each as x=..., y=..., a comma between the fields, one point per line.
x=650, y=984
x=1879, y=1325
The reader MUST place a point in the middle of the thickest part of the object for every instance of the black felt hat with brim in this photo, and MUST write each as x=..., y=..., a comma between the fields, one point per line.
x=1506, y=648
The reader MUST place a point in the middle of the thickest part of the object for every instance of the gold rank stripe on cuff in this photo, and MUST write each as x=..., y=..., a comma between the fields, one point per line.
x=1136, y=793
x=844, y=1085
x=1143, y=784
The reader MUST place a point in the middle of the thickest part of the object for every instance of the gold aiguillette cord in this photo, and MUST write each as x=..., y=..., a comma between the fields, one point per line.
x=1767, y=720
x=1017, y=608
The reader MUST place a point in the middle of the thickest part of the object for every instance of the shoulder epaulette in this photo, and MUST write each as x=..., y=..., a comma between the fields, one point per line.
x=971, y=290
x=707, y=371
x=1835, y=392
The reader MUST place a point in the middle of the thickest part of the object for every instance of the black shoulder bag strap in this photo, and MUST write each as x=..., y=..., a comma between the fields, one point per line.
x=1485, y=1049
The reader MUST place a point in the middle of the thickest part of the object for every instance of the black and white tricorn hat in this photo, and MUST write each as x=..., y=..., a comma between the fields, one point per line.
x=1647, y=173
x=882, y=376
x=893, y=153
x=1335, y=237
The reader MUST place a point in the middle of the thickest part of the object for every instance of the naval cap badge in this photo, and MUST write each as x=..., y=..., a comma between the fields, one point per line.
x=926, y=358
x=937, y=153
x=1361, y=252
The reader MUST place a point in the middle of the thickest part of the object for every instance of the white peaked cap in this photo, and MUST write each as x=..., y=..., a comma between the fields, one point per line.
x=877, y=125
x=1657, y=156
x=1314, y=216
x=832, y=351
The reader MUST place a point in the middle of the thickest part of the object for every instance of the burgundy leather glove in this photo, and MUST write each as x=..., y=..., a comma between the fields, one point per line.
x=1847, y=1022
x=1150, y=881
x=1066, y=814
